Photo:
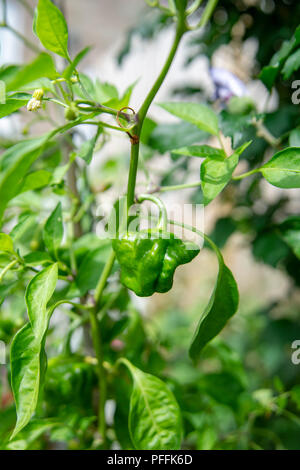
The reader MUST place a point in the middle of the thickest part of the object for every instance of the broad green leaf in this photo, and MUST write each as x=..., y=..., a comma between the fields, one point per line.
x=118, y=103
x=8, y=72
x=91, y=268
x=283, y=170
x=221, y=307
x=26, y=223
x=238, y=127
x=28, y=358
x=37, y=258
x=87, y=148
x=14, y=164
x=42, y=66
x=154, y=415
x=11, y=106
x=6, y=243
x=37, y=296
x=53, y=230
x=33, y=431
x=105, y=92
x=148, y=127
x=292, y=64
x=165, y=137
x=290, y=232
x=25, y=375
x=51, y=28
x=201, y=151
x=35, y=180
x=269, y=73
x=198, y=114
x=43, y=82
x=216, y=171
x=59, y=173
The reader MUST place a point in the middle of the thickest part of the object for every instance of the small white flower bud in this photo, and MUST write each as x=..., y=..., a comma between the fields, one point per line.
x=33, y=104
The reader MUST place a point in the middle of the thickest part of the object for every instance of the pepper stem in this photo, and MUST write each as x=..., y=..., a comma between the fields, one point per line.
x=163, y=216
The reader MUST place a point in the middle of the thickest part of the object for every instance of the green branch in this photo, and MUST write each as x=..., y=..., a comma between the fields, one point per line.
x=180, y=30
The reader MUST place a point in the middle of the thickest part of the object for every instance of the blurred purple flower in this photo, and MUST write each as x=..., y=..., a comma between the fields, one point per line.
x=226, y=84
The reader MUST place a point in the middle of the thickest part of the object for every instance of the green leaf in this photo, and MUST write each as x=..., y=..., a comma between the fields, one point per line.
x=165, y=137
x=37, y=296
x=268, y=75
x=37, y=258
x=154, y=415
x=25, y=375
x=290, y=232
x=6, y=243
x=14, y=164
x=28, y=357
x=71, y=67
x=201, y=151
x=51, y=28
x=11, y=106
x=53, y=231
x=105, y=92
x=283, y=170
x=238, y=127
x=216, y=171
x=35, y=180
x=42, y=66
x=91, y=267
x=32, y=432
x=292, y=64
x=87, y=148
x=221, y=307
x=198, y=114
x=123, y=101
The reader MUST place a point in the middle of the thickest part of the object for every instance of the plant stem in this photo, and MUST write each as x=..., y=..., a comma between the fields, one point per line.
x=104, y=124
x=163, y=216
x=4, y=15
x=179, y=186
x=100, y=108
x=103, y=278
x=207, y=13
x=7, y=268
x=135, y=131
x=203, y=235
x=97, y=343
x=194, y=7
x=221, y=142
x=244, y=175
x=180, y=30
x=134, y=158
x=263, y=132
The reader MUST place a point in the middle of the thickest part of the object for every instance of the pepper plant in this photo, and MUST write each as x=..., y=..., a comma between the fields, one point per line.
x=51, y=255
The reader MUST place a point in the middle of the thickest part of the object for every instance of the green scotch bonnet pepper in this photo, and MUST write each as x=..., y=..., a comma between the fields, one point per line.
x=148, y=259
